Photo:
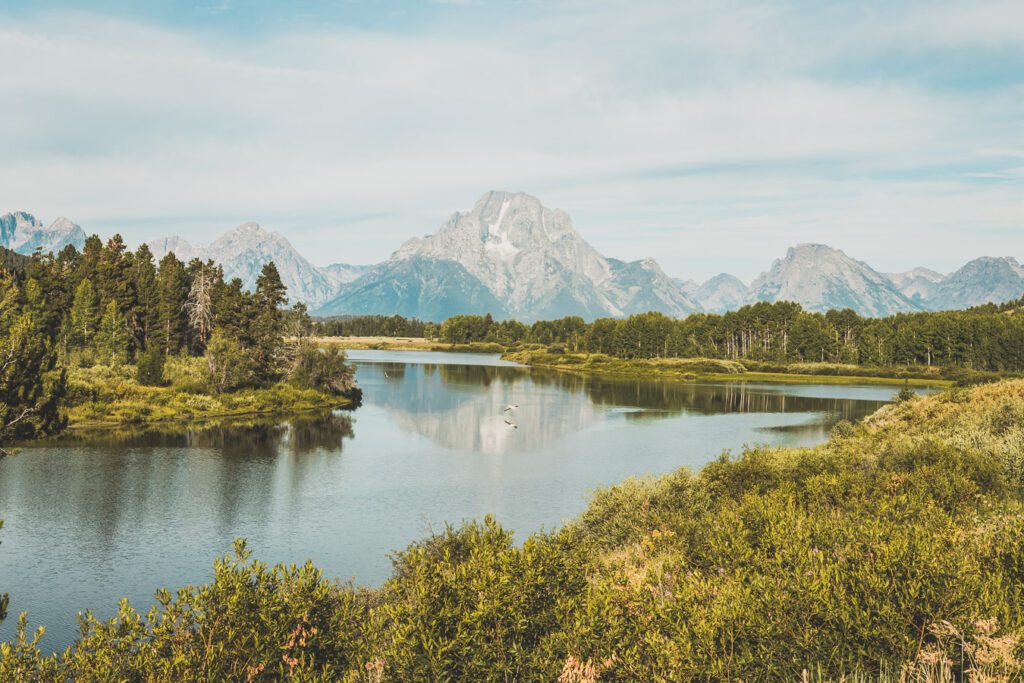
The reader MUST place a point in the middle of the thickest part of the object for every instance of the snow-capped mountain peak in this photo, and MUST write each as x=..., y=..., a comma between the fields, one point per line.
x=531, y=259
x=23, y=233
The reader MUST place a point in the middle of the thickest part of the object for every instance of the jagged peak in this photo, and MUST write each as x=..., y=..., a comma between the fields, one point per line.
x=813, y=249
x=64, y=224
x=723, y=278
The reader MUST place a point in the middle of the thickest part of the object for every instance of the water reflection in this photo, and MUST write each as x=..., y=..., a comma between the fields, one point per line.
x=466, y=410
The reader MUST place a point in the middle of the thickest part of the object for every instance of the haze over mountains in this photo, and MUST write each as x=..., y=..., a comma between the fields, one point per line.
x=515, y=258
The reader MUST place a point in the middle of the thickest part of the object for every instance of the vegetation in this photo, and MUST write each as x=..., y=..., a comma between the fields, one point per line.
x=374, y=326
x=983, y=339
x=107, y=335
x=719, y=369
x=893, y=551
x=30, y=388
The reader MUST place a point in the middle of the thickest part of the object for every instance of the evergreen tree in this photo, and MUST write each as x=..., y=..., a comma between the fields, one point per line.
x=112, y=338
x=29, y=391
x=172, y=297
x=150, y=369
x=268, y=321
x=84, y=315
x=145, y=316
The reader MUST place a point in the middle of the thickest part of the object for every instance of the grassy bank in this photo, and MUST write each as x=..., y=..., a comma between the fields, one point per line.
x=407, y=344
x=105, y=396
x=714, y=369
x=895, y=551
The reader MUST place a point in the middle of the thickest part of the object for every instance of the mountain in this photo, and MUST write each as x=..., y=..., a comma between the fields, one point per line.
x=917, y=285
x=820, y=278
x=343, y=273
x=23, y=233
x=245, y=250
x=984, y=280
x=415, y=288
x=721, y=293
x=515, y=258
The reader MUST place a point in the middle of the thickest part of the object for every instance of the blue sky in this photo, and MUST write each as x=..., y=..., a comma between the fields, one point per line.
x=708, y=135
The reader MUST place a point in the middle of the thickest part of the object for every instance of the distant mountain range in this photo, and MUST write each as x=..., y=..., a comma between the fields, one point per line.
x=515, y=258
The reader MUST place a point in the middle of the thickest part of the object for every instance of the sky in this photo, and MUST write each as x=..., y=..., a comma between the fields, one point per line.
x=708, y=135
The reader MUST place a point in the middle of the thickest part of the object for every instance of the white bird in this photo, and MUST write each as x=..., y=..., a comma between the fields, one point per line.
x=512, y=406
x=513, y=425
x=386, y=374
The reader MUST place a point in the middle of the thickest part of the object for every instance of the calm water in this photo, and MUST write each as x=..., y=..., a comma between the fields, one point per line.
x=91, y=519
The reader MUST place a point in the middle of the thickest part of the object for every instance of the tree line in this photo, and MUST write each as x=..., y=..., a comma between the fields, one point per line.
x=987, y=338
x=374, y=326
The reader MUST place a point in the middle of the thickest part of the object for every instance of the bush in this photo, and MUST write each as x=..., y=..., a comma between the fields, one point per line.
x=229, y=366
x=150, y=370
x=322, y=369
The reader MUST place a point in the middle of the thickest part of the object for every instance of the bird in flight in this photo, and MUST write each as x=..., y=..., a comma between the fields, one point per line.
x=511, y=424
x=509, y=407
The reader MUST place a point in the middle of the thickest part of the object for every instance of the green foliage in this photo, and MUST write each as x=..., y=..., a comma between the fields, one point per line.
x=112, y=337
x=30, y=389
x=229, y=365
x=106, y=396
x=322, y=369
x=85, y=317
x=905, y=394
x=374, y=326
x=150, y=369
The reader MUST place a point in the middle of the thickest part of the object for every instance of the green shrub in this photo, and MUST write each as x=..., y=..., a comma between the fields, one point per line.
x=229, y=366
x=322, y=369
x=150, y=369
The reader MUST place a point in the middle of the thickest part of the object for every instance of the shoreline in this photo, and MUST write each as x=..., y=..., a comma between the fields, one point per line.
x=101, y=425
x=675, y=369
x=701, y=369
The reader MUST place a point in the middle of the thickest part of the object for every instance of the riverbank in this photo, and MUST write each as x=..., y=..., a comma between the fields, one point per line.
x=103, y=396
x=710, y=369
x=406, y=344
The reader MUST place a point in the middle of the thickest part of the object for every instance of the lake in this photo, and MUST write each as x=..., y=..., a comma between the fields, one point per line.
x=94, y=517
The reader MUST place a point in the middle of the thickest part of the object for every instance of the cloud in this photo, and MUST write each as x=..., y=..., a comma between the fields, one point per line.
x=704, y=135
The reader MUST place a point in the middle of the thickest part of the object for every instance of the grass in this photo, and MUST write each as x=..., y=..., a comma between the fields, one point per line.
x=103, y=396
x=407, y=344
x=711, y=369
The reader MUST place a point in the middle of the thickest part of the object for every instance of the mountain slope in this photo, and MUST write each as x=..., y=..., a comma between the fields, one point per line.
x=529, y=258
x=721, y=293
x=820, y=278
x=415, y=288
x=918, y=284
x=981, y=281
x=23, y=233
x=245, y=250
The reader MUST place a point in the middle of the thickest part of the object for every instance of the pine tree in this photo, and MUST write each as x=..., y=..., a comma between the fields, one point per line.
x=268, y=322
x=29, y=391
x=112, y=337
x=145, y=316
x=84, y=315
x=172, y=296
